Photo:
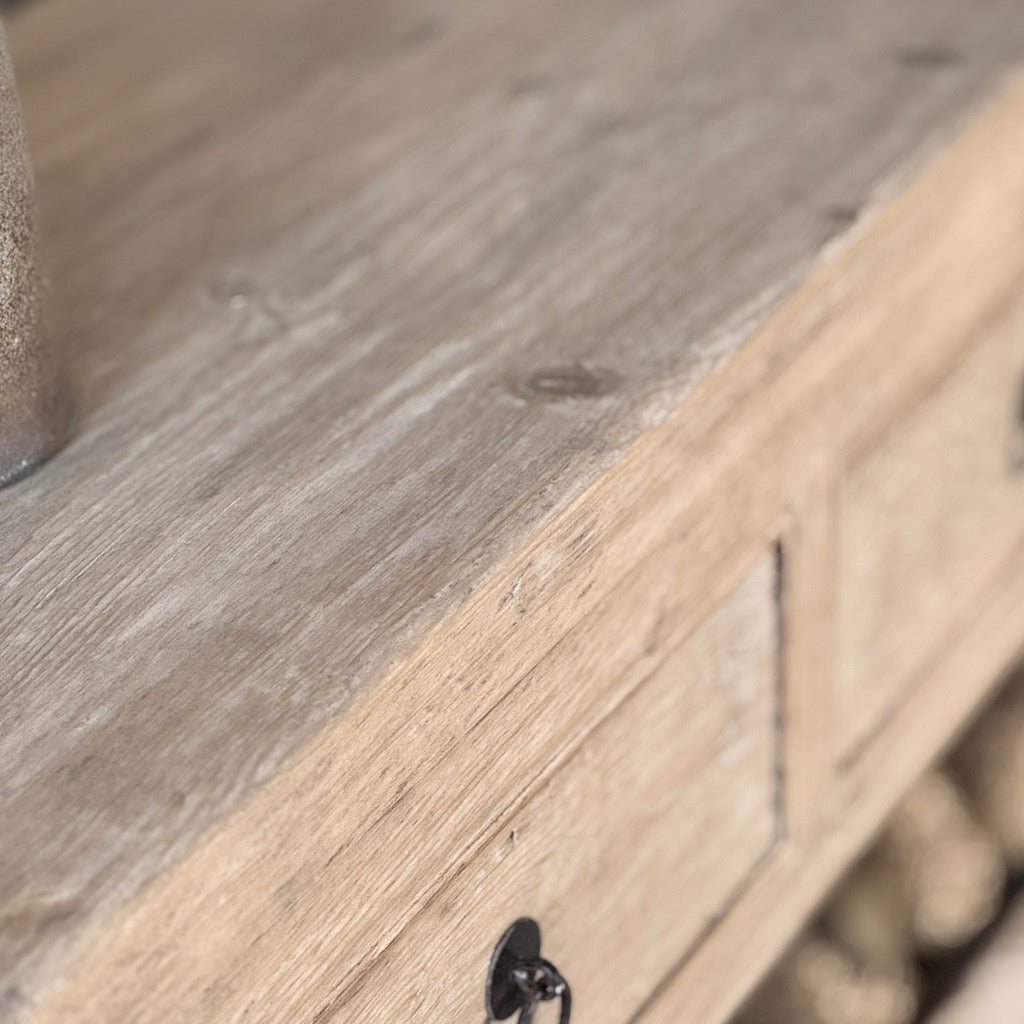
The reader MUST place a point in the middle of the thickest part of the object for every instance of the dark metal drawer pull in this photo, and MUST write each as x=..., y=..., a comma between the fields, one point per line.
x=519, y=978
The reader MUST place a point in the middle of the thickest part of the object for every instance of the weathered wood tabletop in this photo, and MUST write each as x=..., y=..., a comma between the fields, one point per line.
x=358, y=299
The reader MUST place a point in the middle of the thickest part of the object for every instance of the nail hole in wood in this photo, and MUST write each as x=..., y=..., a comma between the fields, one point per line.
x=929, y=57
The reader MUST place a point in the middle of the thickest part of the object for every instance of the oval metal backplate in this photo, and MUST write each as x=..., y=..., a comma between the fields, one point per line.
x=520, y=942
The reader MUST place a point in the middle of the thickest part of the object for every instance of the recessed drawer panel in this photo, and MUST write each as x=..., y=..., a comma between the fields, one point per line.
x=926, y=518
x=629, y=848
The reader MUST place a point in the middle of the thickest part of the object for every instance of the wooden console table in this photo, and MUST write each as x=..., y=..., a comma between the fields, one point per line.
x=551, y=459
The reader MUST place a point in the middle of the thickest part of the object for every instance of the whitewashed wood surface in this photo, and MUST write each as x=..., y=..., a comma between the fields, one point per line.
x=356, y=298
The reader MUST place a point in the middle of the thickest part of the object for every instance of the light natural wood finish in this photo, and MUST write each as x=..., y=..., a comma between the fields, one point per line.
x=807, y=597
x=436, y=378
x=926, y=518
x=648, y=830
x=969, y=658
x=712, y=983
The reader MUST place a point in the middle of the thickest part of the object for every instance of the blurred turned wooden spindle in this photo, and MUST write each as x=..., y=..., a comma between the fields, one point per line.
x=821, y=982
x=871, y=917
x=992, y=991
x=33, y=401
x=952, y=867
x=933, y=880
x=990, y=766
x=855, y=965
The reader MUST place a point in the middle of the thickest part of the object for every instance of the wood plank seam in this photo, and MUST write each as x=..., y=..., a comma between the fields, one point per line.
x=782, y=695
x=499, y=823
x=808, y=605
x=728, y=908
x=809, y=873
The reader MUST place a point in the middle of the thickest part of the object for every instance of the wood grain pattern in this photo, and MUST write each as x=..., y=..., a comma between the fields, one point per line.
x=926, y=519
x=712, y=983
x=405, y=336
x=970, y=657
x=648, y=829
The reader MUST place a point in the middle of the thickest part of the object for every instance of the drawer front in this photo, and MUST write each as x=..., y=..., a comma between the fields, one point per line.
x=926, y=519
x=629, y=848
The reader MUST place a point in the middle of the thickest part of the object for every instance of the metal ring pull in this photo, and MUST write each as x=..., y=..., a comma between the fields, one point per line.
x=540, y=982
x=520, y=979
